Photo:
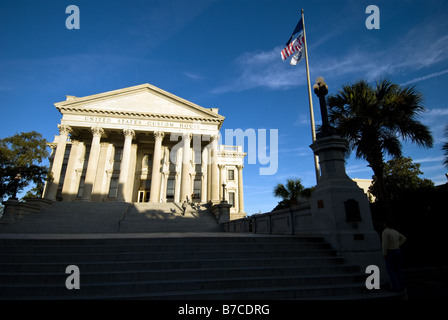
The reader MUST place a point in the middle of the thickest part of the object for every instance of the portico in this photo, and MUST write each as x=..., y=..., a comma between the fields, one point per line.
x=142, y=144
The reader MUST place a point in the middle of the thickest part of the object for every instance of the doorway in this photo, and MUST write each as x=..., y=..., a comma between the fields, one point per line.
x=144, y=191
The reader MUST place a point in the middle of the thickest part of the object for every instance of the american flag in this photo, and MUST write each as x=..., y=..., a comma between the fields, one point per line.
x=296, y=45
x=292, y=47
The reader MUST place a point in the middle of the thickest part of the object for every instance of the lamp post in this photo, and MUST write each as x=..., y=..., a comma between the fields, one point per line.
x=224, y=192
x=321, y=90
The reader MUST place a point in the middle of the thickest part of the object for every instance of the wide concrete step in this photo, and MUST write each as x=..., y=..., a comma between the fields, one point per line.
x=333, y=291
x=142, y=286
x=71, y=217
x=175, y=255
x=54, y=240
x=177, y=267
x=263, y=293
x=168, y=217
x=170, y=264
x=100, y=276
x=159, y=247
x=113, y=217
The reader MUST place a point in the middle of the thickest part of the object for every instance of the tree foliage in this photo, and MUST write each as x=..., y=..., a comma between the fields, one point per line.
x=22, y=154
x=290, y=193
x=401, y=175
x=375, y=118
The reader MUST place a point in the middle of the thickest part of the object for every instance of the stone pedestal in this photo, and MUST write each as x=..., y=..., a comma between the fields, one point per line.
x=222, y=211
x=340, y=209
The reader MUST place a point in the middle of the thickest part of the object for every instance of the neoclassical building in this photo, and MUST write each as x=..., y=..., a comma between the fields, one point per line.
x=143, y=144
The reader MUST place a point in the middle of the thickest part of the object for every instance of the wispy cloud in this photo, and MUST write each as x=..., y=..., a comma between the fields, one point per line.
x=358, y=169
x=430, y=159
x=261, y=69
x=437, y=120
x=302, y=120
x=437, y=112
x=265, y=68
x=193, y=76
x=429, y=76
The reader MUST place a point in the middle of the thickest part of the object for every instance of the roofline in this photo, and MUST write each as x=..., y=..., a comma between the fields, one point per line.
x=73, y=101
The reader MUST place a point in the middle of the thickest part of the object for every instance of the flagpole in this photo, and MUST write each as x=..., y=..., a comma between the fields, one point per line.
x=310, y=99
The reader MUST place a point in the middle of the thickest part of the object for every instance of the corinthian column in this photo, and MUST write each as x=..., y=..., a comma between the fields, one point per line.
x=240, y=189
x=58, y=159
x=124, y=165
x=185, y=175
x=222, y=180
x=155, y=177
x=97, y=132
x=215, y=174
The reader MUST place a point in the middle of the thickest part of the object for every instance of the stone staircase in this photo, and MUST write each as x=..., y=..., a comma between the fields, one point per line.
x=186, y=266
x=167, y=217
x=112, y=217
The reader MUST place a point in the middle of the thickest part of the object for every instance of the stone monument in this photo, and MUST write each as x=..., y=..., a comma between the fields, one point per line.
x=340, y=209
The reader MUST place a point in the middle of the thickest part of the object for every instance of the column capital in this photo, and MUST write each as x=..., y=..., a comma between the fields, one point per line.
x=128, y=133
x=214, y=138
x=64, y=129
x=221, y=166
x=97, y=131
x=187, y=135
x=158, y=135
x=240, y=166
x=78, y=172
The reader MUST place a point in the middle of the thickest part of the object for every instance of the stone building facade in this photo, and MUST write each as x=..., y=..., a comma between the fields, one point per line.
x=143, y=144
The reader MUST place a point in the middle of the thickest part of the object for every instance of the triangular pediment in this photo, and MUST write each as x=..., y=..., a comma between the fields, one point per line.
x=144, y=100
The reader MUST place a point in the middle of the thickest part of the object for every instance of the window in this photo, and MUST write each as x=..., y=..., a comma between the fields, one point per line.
x=197, y=189
x=147, y=161
x=231, y=174
x=232, y=198
x=117, y=158
x=113, y=189
x=81, y=187
x=170, y=189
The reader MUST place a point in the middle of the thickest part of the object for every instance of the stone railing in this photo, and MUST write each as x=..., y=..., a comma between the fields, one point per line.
x=15, y=210
x=286, y=221
x=230, y=148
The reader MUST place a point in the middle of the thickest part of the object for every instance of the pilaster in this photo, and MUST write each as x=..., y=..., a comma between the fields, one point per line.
x=240, y=189
x=92, y=164
x=58, y=159
x=185, y=174
x=155, y=176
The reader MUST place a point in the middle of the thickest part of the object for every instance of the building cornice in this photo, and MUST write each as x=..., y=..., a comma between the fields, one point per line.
x=76, y=104
x=146, y=116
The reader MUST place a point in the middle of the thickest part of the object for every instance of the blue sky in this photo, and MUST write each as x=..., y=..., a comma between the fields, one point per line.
x=225, y=54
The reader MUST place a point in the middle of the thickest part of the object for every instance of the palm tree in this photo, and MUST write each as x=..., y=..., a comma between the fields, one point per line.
x=290, y=192
x=374, y=118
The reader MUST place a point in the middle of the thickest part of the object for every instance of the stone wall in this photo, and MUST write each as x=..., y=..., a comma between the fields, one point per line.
x=286, y=221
